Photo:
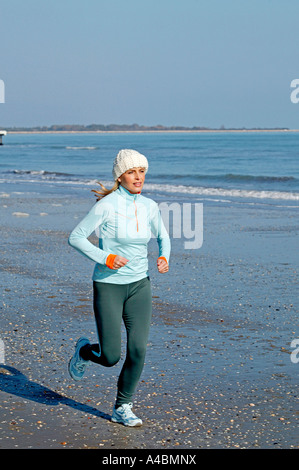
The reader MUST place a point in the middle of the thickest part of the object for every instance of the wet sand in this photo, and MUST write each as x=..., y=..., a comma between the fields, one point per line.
x=218, y=373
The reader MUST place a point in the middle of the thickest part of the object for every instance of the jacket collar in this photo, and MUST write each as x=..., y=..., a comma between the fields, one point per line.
x=126, y=194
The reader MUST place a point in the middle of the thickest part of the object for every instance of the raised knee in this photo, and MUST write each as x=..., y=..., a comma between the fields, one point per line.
x=109, y=360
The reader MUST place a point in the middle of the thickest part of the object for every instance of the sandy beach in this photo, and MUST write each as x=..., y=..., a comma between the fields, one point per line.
x=218, y=373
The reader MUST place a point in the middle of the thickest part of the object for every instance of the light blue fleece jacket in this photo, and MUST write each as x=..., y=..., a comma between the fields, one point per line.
x=124, y=223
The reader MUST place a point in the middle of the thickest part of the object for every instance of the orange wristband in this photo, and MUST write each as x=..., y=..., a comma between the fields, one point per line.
x=110, y=260
x=163, y=257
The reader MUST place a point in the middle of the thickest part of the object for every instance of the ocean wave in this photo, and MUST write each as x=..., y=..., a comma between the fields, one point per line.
x=231, y=177
x=39, y=173
x=81, y=148
x=218, y=192
x=259, y=178
x=239, y=193
x=50, y=146
x=44, y=177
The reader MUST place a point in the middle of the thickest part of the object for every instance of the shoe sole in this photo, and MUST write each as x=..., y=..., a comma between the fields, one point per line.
x=69, y=363
x=113, y=420
x=73, y=376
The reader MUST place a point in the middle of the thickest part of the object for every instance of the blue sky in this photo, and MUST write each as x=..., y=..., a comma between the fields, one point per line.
x=171, y=62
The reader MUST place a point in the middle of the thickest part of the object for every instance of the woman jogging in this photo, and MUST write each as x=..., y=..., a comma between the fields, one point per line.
x=124, y=220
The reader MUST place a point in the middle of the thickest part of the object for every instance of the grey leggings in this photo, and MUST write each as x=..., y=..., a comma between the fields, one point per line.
x=113, y=303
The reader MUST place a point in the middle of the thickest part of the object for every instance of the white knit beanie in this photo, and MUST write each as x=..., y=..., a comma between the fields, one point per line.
x=127, y=159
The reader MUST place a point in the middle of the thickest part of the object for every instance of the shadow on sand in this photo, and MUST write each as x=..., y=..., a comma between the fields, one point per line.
x=14, y=382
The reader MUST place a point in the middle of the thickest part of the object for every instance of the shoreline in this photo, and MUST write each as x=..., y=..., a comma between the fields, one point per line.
x=214, y=131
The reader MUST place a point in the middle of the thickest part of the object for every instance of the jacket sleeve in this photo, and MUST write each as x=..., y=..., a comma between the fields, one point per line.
x=159, y=231
x=78, y=238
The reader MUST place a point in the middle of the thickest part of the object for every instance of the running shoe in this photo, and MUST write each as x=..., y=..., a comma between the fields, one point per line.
x=124, y=415
x=77, y=365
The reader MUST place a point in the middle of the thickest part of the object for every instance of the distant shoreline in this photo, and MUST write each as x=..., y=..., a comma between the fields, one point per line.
x=164, y=131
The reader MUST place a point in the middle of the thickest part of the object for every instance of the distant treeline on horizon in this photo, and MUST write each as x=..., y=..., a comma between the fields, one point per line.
x=125, y=128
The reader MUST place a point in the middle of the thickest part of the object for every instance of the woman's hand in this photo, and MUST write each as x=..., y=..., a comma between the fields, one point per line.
x=162, y=265
x=119, y=262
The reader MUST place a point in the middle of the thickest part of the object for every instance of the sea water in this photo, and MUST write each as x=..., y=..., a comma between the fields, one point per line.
x=214, y=167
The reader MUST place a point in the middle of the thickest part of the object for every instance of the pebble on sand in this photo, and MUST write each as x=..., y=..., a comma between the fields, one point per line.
x=20, y=214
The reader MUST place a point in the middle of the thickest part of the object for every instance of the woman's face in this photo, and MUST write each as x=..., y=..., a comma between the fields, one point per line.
x=133, y=180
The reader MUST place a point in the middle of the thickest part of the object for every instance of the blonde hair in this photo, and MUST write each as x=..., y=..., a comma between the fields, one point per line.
x=100, y=194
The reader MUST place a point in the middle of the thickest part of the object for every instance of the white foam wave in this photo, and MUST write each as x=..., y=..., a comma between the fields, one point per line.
x=81, y=148
x=30, y=172
x=168, y=188
x=202, y=191
x=241, y=193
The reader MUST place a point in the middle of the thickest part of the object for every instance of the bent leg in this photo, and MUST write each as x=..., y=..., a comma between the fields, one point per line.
x=108, y=302
x=137, y=318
